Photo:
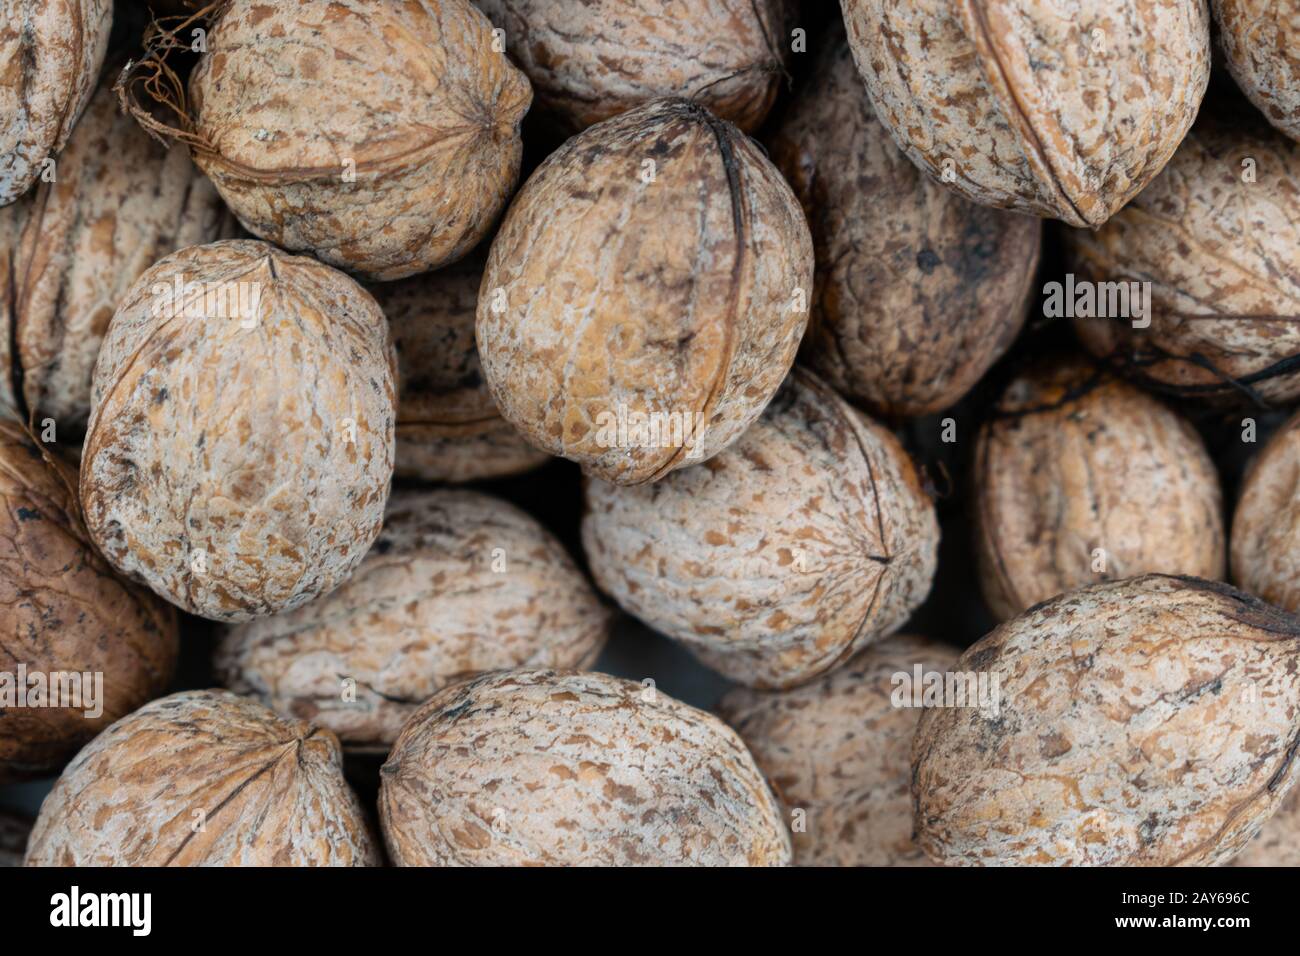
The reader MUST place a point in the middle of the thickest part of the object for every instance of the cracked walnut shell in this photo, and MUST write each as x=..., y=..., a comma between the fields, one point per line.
x=1261, y=43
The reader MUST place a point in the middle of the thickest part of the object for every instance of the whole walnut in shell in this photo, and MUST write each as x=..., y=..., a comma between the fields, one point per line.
x=1144, y=722
x=917, y=291
x=783, y=556
x=50, y=55
x=448, y=426
x=204, y=778
x=1081, y=478
x=1059, y=108
x=1266, y=524
x=240, y=446
x=1261, y=43
x=589, y=60
x=839, y=750
x=1216, y=236
x=1278, y=842
x=646, y=293
x=66, y=619
x=542, y=767
x=457, y=583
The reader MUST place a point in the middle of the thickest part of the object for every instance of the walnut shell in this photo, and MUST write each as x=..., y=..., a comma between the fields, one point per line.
x=589, y=60
x=917, y=291
x=1266, y=524
x=1059, y=108
x=239, y=464
x=1150, y=721
x=64, y=613
x=50, y=55
x=608, y=298
x=542, y=767
x=204, y=778
x=448, y=426
x=458, y=583
x=1222, y=256
x=1073, y=461
x=13, y=839
x=840, y=750
x=1278, y=841
x=784, y=555
x=1261, y=43
x=382, y=137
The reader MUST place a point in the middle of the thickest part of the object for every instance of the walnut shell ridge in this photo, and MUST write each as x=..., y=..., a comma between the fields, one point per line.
x=65, y=612
x=383, y=138
x=240, y=445
x=656, y=268
x=1265, y=546
x=51, y=51
x=918, y=291
x=1261, y=44
x=1074, y=460
x=204, y=778
x=1146, y=722
x=552, y=768
x=1059, y=108
x=782, y=556
x=839, y=749
x=457, y=583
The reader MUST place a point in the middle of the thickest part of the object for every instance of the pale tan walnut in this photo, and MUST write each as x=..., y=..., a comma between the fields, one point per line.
x=65, y=613
x=1082, y=478
x=1278, y=842
x=1216, y=237
x=783, y=556
x=1261, y=43
x=655, y=270
x=13, y=839
x=554, y=768
x=1266, y=524
x=382, y=137
x=1143, y=722
x=448, y=426
x=1059, y=108
x=457, y=583
x=204, y=778
x=839, y=750
x=589, y=60
x=50, y=55
x=917, y=291
x=72, y=248
x=240, y=446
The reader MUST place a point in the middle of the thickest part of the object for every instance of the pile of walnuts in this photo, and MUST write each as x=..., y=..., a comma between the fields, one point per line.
x=920, y=368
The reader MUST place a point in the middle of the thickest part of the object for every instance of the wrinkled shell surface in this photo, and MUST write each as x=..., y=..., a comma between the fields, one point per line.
x=605, y=294
x=457, y=583
x=1151, y=721
x=541, y=767
x=1278, y=842
x=1223, y=259
x=50, y=55
x=204, y=778
x=589, y=60
x=1073, y=461
x=839, y=750
x=13, y=839
x=1059, y=108
x=409, y=99
x=448, y=426
x=918, y=291
x=1261, y=43
x=781, y=557
x=63, y=610
x=1266, y=525
x=269, y=449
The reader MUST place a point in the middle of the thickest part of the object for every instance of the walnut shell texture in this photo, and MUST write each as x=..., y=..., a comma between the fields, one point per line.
x=1266, y=525
x=414, y=155
x=1278, y=842
x=1074, y=460
x=238, y=459
x=1060, y=108
x=655, y=265
x=839, y=749
x=1151, y=721
x=1261, y=43
x=64, y=612
x=457, y=583
x=783, y=556
x=918, y=292
x=590, y=60
x=204, y=778
x=542, y=767
x=13, y=839
x=50, y=55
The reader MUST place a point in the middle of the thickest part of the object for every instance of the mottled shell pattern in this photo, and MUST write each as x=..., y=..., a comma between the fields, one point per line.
x=541, y=767
x=1266, y=524
x=1260, y=40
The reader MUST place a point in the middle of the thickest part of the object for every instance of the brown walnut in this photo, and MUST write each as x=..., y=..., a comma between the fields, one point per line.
x=1261, y=43
x=1266, y=523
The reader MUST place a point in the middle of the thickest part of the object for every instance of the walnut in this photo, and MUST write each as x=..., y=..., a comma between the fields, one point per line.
x=1261, y=43
x=1266, y=524
x=1278, y=842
